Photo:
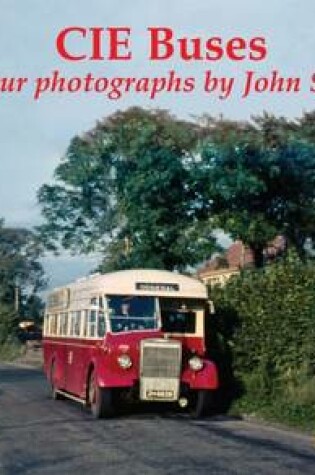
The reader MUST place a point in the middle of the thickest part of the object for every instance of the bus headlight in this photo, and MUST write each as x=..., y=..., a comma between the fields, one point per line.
x=124, y=361
x=195, y=363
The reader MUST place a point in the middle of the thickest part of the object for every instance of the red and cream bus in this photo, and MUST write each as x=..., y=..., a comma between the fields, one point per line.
x=136, y=334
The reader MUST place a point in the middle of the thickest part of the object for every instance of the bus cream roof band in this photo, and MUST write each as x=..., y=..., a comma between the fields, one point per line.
x=129, y=282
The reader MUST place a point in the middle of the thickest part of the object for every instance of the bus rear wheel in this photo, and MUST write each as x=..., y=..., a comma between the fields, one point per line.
x=100, y=400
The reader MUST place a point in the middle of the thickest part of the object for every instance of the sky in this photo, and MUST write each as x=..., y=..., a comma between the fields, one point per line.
x=34, y=135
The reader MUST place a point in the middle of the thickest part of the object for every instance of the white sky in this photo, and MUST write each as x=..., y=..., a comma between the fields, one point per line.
x=34, y=135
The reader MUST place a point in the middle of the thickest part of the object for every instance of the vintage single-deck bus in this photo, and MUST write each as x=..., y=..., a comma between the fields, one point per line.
x=134, y=334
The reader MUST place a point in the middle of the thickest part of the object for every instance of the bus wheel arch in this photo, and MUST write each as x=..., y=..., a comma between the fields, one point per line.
x=87, y=382
x=98, y=399
x=52, y=376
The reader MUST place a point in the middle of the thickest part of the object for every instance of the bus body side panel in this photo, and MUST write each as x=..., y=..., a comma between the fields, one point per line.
x=90, y=361
x=55, y=357
x=72, y=365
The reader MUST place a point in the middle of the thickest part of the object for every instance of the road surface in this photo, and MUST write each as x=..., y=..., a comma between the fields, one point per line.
x=39, y=436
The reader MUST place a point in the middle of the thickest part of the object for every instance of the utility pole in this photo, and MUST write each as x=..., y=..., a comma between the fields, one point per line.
x=17, y=298
x=128, y=245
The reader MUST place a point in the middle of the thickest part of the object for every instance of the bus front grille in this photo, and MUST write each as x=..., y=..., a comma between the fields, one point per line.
x=160, y=368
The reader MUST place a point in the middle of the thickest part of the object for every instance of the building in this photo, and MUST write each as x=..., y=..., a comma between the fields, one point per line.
x=220, y=269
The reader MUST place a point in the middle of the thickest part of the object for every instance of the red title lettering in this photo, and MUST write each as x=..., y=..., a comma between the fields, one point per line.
x=78, y=43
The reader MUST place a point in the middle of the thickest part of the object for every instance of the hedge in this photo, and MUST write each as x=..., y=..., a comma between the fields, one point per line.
x=265, y=340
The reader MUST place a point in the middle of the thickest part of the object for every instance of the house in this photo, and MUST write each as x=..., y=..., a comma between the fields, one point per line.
x=220, y=269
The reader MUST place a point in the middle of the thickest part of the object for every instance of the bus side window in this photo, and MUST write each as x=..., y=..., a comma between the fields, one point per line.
x=77, y=324
x=50, y=325
x=85, y=323
x=101, y=324
x=92, y=324
x=53, y=325
x=72, y=323
x=58, y=319
x=64, y=324
x=46, y=325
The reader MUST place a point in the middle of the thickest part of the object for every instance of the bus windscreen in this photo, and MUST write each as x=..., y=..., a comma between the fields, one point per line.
x=128, y=313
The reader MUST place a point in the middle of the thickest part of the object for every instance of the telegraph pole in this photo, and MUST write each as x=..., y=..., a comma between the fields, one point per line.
x=17, y=298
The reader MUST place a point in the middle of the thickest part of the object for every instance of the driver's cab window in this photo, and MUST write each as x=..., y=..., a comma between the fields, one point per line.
x=180, y=315
x=131, y=313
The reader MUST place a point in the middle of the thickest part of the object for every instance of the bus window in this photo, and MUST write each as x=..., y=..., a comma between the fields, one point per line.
x=179, y=315
x=46, y=325
x=85, y=323
x=178, y=321
x=72, y=322
x=53, y=325
x=77, y=324
x=101, y=324
x=129, y=312
x=92, y=324
x=63, y=324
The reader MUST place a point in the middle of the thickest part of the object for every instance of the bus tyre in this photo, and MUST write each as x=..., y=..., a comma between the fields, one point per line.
x=202, y=403
x=100, y=400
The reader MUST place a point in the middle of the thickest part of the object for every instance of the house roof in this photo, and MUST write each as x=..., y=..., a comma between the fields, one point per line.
x=238, y=256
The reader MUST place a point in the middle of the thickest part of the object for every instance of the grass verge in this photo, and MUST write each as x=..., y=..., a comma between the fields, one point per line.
x=291, y=405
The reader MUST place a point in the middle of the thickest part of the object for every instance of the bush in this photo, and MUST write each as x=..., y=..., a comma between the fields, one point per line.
x=9, y=351
x=8, y=323
x=266, y=322
x=9, y=344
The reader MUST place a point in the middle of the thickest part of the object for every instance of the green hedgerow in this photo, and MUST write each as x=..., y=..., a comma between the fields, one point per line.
x=265, y=321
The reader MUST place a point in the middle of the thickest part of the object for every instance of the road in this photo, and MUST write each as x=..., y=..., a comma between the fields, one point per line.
x=39, y=436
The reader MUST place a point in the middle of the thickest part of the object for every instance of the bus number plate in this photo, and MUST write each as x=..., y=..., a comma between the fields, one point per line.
x=159, y=394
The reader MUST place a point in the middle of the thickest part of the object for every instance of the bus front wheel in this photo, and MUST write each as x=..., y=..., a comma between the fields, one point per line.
x=202, y=404
x=100, y=400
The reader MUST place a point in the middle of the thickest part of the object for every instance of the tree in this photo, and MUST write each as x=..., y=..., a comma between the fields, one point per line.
x=78, y=210
x=124, y=188
x=32, y=308
x=20, y=269
x=146, y=189
x=258, y=189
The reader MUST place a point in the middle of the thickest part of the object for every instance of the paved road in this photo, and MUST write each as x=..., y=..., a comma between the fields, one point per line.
x=39, y=436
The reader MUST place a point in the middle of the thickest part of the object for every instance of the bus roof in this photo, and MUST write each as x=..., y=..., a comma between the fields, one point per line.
x=129, y=282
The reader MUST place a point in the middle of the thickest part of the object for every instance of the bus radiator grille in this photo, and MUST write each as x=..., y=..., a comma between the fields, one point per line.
x=160, y=368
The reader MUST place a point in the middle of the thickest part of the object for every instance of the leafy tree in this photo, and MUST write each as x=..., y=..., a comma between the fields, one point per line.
x=19, y=265
x=124, y=188
x=274, y=131
x=8, y=322
x=141, y=189
x=32, y=308
x=257, y=190
x=77, y=208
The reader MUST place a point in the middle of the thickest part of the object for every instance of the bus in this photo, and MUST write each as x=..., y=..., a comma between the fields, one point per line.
x=129, y=335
